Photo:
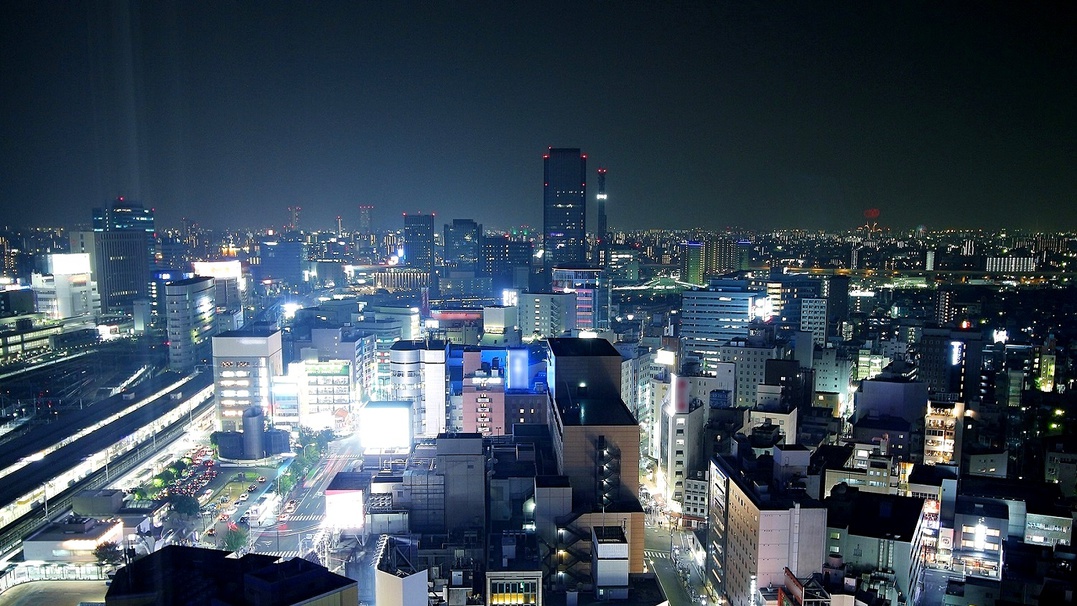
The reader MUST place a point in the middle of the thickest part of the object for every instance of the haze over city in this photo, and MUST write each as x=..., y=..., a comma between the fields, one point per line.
x=758, y=115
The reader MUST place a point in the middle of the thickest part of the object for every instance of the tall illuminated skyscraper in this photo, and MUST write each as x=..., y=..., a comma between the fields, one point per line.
x=419, y=241
x=692, y=262
x=564, y=208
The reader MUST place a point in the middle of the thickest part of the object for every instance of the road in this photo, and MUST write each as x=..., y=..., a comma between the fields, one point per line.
x=656, y=554
x=289, y=538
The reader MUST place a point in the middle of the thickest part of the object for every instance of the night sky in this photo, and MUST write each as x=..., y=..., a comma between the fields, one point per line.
x=752, y=114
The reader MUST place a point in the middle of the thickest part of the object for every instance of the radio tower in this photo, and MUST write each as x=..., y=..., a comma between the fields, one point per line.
x=601, y=197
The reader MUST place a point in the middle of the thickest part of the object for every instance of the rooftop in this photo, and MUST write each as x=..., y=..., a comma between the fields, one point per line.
x=594, y=411
x=582, y=347
x=879, y=516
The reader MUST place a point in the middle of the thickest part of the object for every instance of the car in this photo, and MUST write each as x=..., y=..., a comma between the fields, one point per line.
x=282, y=517
x=223, y=517
x=210, y=532
x=244, y=496
x=252, y=488
x=261, y=479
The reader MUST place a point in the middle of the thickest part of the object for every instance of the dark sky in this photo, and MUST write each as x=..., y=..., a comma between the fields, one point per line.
x=759, y=115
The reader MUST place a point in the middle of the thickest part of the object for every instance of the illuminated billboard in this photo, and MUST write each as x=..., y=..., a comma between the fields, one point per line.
x=66, y=265
x=518, y=369
x=218, y=269
x=385, y=425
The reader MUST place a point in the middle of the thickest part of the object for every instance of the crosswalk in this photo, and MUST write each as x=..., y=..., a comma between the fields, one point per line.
x=655, y=555
x=279, y=554
x=307, y=517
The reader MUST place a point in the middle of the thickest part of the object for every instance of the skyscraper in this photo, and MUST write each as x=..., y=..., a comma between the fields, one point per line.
x=564, y=208
x=125, y=215
x=462, y=240
x=419, y=241
x=191, y=319
x=603, y=229
x=121, y=270
x=692, y=262
x=365, y=214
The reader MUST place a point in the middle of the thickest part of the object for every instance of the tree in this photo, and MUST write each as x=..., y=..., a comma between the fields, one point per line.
x=108, y=553
x=184, y=504
x=235, y=539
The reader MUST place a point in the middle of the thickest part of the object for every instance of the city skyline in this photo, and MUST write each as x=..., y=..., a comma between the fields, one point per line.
x=760, y=116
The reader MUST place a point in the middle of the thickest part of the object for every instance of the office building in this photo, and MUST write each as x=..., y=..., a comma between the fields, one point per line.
x=281, y=260
x=713, y=317
x=244, y=365
x=507, y=262
x=191, y=318
x=592, y=294
x=419, y=242
x=418, y=375
x=124, y=215
x=121, y=268
x=230, y=284
x=564, y=208
x=463, y=238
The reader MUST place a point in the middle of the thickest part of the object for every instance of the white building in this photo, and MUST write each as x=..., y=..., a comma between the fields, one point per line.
x=546, y=315
x=418, y=375
x=245, y=363
x=67, y=290
x=756, y=534
x=813, y=317
x=191, y=318
x=750, y=360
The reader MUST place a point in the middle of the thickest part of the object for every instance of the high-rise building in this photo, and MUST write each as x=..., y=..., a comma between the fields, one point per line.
x=720, y=256
x=191, y=316
x=366, y=213
x=692, y=260
x=592, y=294
x=244, y=365
x=462, y=240
x=282, y=260
x=125, y=215
x=507, y=261
x=603, y=229
x=711, y=318
x=545, y=315
x=758, y=536
x=564, y=208
x=120, y=268
x=419, y=241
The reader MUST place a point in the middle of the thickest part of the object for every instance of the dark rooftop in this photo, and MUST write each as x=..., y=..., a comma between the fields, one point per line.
x=254, y=331
x=594, y=411
x=982, y=507
x=932, y=475
x=192, y=575
x=879, y=516
x=582, y=347
x=189, y=281
x=347, y=480
x=882, y=422
x=1038, y=496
